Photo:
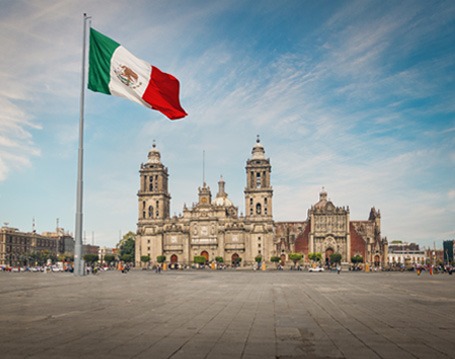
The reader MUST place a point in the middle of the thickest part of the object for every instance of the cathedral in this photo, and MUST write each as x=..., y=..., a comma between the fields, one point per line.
x=212, y=227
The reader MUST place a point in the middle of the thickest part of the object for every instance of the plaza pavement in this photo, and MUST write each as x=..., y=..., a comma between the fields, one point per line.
x=227, y=314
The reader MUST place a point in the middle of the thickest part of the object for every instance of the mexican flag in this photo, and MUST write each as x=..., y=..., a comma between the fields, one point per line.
x=113, y=70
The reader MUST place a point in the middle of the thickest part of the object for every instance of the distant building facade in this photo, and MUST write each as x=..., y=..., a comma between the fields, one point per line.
x=402, y=253
x=435, y=256
x=448, y=247
x=65, y=240
x=16, y=246
x=103, y=251
x=328, y=229
x=212, y=227
x=90, y=249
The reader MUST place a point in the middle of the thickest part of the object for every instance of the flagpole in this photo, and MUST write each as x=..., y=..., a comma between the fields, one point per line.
x=78, y=262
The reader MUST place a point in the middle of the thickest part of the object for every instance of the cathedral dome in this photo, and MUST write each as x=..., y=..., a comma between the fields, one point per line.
x=221, y=197
x=258, y=152
x=322, y=199
x=154, y=155
x=222, y=201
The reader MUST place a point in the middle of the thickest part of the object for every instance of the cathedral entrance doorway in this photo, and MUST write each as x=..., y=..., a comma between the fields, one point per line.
x=174, y=259
x=205, y=254
x=328, y=253
x=235, y=259
x=377, y=260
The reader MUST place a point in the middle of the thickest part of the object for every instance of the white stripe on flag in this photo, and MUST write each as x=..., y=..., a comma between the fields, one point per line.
x=129, y=76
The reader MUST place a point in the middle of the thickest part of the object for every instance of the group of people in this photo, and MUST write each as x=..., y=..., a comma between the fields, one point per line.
x=448, y=268
x=125, y=268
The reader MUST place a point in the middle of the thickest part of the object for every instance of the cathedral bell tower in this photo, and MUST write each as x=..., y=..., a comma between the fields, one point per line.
x=153, y=196
x=258, y=191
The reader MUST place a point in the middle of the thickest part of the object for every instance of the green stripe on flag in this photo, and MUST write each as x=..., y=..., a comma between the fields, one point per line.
x=101, y=50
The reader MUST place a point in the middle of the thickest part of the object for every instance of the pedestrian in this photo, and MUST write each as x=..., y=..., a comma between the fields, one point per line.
x=338, y=269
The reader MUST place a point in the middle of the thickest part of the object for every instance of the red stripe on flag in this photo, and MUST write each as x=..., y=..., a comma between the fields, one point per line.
x=162, y=94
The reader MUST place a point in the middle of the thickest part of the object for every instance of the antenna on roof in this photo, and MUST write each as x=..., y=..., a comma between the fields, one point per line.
x=203, y=167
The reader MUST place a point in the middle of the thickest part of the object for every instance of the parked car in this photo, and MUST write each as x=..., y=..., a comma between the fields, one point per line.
x=316, y=269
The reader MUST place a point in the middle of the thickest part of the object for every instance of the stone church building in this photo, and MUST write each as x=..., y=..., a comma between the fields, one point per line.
x=212, y=227
x=328, y=229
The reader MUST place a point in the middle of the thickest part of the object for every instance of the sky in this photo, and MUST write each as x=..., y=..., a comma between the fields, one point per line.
x=353, y=96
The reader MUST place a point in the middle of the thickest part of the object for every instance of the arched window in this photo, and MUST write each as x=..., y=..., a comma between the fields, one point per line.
x=258, y=208
x=157, y=209
x=150, y=211
x=258, y=180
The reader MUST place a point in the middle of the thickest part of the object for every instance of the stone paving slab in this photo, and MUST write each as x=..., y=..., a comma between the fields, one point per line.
x=227, y=314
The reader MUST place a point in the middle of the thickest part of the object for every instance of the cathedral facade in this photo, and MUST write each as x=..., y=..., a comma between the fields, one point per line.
x=212, y=227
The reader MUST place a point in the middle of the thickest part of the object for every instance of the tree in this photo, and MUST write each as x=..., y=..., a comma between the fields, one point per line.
x=258, y=259
x=161, y=259
x=357, y=259
x=335, y=258
x=315, y=257
x=66, y=257
x=42, y=257
x=295, y=257
x=109, y=258
x=145, y=259
x=219, y=259
x=37, y=258
x=91, y=258
x=126, y=247
x=49, y=255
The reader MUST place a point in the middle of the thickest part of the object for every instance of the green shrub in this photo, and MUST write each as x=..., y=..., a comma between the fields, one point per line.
x=295, y=257
x=275, y=259
x=357, y=259
x=199, y=259
x=335, y=258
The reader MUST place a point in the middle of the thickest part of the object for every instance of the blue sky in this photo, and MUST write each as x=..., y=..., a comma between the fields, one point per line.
x=355, y=96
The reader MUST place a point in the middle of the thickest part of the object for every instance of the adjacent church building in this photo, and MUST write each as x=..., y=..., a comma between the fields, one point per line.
x=212, y=227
